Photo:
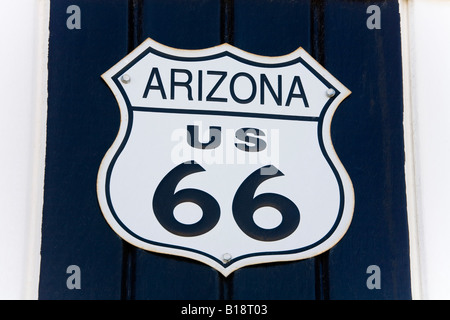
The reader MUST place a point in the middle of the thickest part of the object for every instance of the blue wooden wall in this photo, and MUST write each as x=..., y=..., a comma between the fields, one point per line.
x=367, y=132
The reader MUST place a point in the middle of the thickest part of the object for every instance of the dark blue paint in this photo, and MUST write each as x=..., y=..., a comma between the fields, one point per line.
x=182, y=24
x=272, y=28
x=367, y=132
x=82, y=122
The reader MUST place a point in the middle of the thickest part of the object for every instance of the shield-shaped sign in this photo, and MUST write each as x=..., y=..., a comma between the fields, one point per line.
x=225, y=157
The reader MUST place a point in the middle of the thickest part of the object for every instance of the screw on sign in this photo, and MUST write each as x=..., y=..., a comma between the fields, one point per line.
x=225, y=157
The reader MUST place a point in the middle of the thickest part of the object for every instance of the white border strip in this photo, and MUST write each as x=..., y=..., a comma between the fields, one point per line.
x=410, y=171
x=427, y=129
x=39, y=148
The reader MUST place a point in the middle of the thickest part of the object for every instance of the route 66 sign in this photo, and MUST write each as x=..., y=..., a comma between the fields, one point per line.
x=225, y=157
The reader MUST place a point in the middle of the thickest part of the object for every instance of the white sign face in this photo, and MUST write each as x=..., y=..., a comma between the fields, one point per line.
x=225, y=157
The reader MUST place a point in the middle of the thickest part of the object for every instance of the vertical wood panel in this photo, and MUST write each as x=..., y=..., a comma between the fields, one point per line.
x=321, y=262
x=184, y=25
x=274, y=28
x=83, y=120
x=374, y=159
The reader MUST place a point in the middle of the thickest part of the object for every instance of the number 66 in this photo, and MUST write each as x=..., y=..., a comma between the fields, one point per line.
x=244, y=206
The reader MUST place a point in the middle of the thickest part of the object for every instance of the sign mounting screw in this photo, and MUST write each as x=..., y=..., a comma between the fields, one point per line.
x=226, y=257
x=125, y=78
x=331, y=93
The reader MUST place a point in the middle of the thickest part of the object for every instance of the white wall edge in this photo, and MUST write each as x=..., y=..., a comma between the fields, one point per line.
x=426, y=78
x=24, y=31
x=410, y=167
x=39, y=147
